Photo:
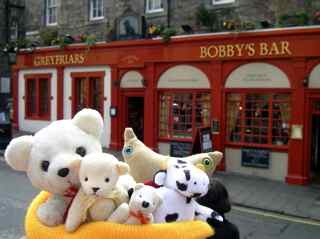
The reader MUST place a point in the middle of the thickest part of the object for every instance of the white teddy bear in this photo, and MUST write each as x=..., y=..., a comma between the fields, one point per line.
x=100, y=193
x=48, y=158
x=143, y=203
x=181, y=183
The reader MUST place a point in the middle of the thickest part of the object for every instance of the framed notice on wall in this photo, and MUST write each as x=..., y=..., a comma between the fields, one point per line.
x=255, y=158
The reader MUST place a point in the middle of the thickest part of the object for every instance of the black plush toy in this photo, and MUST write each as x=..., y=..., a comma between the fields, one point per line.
x=217, y=199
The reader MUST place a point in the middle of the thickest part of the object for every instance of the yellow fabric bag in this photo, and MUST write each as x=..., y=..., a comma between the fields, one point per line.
x=106, y=230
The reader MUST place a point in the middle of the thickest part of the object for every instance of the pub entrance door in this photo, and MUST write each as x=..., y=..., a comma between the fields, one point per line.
x=87, y=91
x=135, y=115
x=315, y=141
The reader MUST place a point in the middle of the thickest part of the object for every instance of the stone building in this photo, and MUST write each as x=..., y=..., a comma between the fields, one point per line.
x=100, y=17
x=11, y=29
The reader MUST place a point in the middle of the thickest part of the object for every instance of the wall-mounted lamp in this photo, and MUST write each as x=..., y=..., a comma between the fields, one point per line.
x=113, y=111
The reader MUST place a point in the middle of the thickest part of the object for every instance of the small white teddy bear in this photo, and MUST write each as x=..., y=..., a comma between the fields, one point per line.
x=143, y=203
x=101, y=192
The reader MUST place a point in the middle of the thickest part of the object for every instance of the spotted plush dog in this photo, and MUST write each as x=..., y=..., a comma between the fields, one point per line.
x=181, y=183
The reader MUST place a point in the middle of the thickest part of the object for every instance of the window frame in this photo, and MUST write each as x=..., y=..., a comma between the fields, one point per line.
x=154, y=10
x=242, y=144
x=91, y=11
x=36, y=115
x=214, y=2
x=194, y=128
x=48, y=7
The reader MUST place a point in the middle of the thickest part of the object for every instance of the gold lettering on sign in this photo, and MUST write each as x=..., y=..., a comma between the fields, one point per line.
x=72, y=59
x=281, y=48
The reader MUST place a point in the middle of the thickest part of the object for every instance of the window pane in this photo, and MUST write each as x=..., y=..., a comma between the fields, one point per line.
x=202, y=110
x=81, y=99
x=164, y=117
x=96, y=94
x=281, y=114
x=234, y=114
x=44, y=99
x=31, y=108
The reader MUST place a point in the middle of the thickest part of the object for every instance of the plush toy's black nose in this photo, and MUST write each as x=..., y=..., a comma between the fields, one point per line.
x=95, y=189
x=145, y=204
x=63, y=172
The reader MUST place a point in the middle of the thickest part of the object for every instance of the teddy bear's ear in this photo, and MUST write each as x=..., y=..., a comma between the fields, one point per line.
x=90, y=121
x=138, y=186
x=160, y=177
x=128, y=134
x=122, y=168
x=216, y=157
x=17, y=154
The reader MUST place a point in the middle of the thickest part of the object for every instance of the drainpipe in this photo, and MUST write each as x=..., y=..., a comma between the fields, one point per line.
x=169, y=13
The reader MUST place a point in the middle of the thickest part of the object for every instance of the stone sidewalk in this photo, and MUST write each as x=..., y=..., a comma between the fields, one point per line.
x=274, y=196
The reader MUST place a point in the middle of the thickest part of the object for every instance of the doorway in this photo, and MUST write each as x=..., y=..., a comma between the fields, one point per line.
x=88, y=92
x=315, y=141
x=135, y=115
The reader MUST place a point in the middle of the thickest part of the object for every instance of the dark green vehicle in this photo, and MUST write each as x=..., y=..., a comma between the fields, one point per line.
x=5, y=122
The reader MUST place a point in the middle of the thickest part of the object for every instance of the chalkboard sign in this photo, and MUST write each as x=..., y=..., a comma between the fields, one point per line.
x=203, y=141
x=180, y=149
x=256, y=158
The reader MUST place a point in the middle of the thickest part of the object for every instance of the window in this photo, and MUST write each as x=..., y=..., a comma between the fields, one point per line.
x=96, y=9
x=51, y=12
x=37, y=97
x=258, y=118
x=154, y=6
x=217, y=2
x=182, y=113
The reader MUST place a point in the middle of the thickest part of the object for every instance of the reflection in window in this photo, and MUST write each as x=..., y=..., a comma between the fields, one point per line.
x=258, y=118
x=182, y=113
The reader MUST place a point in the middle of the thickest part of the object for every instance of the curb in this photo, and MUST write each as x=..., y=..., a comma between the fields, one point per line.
x=276, y=212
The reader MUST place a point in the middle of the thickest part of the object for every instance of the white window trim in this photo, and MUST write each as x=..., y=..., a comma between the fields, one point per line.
x=91, y=18
x=223, y=2
x=153, y=10
x=47, y=14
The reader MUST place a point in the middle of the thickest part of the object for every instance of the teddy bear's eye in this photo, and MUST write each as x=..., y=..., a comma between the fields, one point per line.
x=45, y=165
x=107, y=180
x=81, y=151
x=195, y=183
x=86, y=179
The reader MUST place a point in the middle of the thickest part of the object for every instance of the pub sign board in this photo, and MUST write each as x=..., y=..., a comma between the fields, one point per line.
x=255, y=158
x=180, y=149
x=205, y=140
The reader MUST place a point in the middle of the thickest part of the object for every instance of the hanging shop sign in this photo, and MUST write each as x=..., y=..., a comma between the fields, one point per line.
x=61, y=59
x=281, y=48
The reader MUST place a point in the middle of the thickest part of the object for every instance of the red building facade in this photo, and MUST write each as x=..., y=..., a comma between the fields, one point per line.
x=261, y=90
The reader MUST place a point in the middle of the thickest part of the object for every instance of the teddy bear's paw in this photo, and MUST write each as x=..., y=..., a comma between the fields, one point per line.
x=49, y=217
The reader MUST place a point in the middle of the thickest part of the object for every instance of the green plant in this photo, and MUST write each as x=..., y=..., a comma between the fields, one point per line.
x=48, y=36
x=167, y=33
x=205, y=17
x=296, y=19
